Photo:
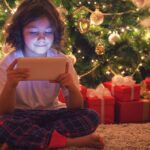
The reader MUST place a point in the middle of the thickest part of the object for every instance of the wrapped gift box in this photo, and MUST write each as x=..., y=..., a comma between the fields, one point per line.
x=83, y=90
x=133, y=112
x=124, y=93
x=147, y=81
x=104, y=108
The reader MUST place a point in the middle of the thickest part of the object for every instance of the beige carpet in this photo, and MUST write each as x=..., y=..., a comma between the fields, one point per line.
x=123, y=137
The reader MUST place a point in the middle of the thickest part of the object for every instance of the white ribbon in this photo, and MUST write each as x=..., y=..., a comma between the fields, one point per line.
x=100, y=92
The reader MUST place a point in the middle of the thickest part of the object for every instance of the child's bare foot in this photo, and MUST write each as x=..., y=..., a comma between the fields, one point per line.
x=4, y=147
x=91, y=140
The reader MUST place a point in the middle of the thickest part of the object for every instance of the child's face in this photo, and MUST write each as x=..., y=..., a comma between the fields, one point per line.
x=38, y=37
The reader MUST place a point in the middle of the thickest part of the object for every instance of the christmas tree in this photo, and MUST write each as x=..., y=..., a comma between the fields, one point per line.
x=102, y=37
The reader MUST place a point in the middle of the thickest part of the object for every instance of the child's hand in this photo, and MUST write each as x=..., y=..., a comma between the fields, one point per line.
x=14, y=75
x=66, y=79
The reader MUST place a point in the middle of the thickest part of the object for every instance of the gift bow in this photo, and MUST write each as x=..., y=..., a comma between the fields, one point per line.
x=100, y=92
x=120, y=80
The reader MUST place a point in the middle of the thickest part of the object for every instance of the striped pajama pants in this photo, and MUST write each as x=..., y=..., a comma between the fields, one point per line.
x=32, y=129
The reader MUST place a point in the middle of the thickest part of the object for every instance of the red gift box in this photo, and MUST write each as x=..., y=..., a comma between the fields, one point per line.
x=83, y=90
x=133, y=112
x=124, y=93
x=147, y=81
x=104, y=108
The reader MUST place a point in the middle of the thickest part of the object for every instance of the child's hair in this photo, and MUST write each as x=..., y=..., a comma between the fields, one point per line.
x=28, y=11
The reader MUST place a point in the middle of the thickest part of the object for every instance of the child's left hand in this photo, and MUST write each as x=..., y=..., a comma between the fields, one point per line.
x=66, y=79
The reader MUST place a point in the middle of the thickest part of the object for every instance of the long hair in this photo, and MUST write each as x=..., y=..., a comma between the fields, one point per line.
x=28, y=11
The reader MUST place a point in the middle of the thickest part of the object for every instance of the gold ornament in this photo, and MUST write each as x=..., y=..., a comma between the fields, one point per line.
x=97, y=17
x=100, y=49
x=83, y=25
x=113, y=38
x=138, y=3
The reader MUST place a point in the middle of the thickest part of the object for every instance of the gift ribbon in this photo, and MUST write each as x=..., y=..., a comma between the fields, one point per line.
x=146, y=110
x=102, y=110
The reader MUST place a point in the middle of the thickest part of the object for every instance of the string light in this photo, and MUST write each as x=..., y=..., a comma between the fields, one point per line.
x=95, y=3
x=123, y=72
x=92, y=61
x=89, y=2
x=90, y=71
x=79, y=51
x=80, y=2
x=108, y=72
x=128, y=28
x=6, y=10
x=109, y=32
x=103, y=6
x=120, y=67
x=142, y=57
x=122, y=29
x=13, y=10
x=140, y=64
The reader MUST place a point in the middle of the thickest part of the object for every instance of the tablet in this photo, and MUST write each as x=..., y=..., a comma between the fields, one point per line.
x=43, y=68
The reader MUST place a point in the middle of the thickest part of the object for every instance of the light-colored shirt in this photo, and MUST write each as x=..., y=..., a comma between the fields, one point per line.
x=36, y=94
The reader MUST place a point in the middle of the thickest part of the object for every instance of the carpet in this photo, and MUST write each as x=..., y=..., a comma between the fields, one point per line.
x=122, y=137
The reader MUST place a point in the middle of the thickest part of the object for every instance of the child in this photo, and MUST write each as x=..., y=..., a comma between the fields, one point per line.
x=32, y=118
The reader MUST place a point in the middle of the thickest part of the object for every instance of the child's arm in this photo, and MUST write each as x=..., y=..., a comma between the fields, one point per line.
x=74, y=100
x=7, y=96
x=7, y=99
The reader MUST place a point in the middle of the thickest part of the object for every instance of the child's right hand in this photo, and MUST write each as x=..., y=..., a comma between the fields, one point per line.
x=14, y=75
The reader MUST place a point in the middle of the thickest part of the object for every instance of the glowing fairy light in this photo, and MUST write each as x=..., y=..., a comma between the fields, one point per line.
x=6, y=10
x=128, y=28
x=109, y=32
x=120, y=67
x=103, y=6
x=108, y=72
x=79, y=51
x=3, y=31
x=83, y=57
x=13, y=10
x=92, y=60
x=122, y=29
x=142, y=57
x=70, y=46
x=147, y=36
x=95, y=3
x=89, y=2
x=123, y=72
x=135, y=30
x=140, y=64
x=80, y=2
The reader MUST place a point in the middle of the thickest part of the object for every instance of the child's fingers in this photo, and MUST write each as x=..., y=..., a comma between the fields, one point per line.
x=67, y=67
x=12, y=65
